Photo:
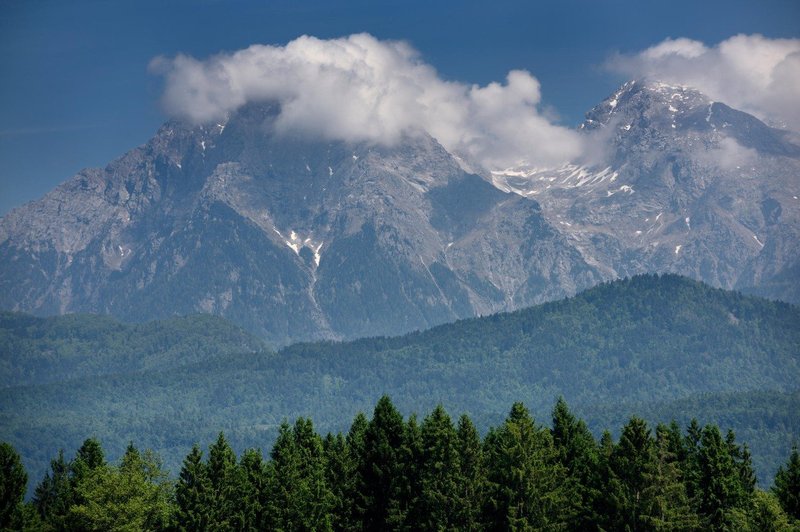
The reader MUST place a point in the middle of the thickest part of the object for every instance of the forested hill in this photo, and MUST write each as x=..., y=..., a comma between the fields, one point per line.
x=39, y=350
x=646, y=345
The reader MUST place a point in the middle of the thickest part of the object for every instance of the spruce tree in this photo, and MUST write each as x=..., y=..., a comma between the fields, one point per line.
x=719, y=481
x=353, y=505
x=338, y=473
x=525, y=481
x=193, y=494
x=223, y=474
x=381, y=470
x=632, y=463
x=252, y=491
x=13, y=483
x=577, y=452
x=667, y=504
x=313, y=490
x=471, y=476
x=439, y=502
x=53, y=496
x=787, y=485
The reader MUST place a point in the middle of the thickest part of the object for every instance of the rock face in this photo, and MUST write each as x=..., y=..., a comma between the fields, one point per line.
x=297, y=238
x=687, y=185
x=290, y=237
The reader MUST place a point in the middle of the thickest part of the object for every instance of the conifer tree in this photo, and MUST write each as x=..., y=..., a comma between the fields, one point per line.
x=719, y=481
x=54, y=494
x=338, y=474
x=668, y=506
x=252, y=491
x=193, y=494
x=577, y=452
x=381, y=469
x=525, y=481
x=632, y=463
x=314, y=493
x=13, y=483
x=439, y=470
x=299, y=498
x=787, y=485
x=471, y=476
x=133, y=496
x=223, y=474
x=353, y=506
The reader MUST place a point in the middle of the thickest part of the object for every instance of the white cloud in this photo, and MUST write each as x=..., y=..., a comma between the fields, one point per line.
x=359, y=88
x=728, y=155
x=749, y=72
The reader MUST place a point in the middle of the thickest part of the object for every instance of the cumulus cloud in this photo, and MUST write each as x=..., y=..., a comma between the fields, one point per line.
x=359, y=88
x=749, y=72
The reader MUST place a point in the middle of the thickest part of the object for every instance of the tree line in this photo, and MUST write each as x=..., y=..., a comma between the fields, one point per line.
x=396, y=473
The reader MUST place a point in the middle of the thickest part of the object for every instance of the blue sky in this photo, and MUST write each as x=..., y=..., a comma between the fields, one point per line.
x=76, y=90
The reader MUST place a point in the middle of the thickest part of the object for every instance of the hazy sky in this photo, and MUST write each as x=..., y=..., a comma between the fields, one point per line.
x=76, y=90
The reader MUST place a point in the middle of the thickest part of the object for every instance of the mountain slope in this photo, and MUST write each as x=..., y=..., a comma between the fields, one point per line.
x=292, y=238
x=686, y=185
x=297, y=238
x=43, y=350
x=645, y=345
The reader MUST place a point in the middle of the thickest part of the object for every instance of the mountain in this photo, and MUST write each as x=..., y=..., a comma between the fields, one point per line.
x=687, y=185
x=297, y=238
x=289, y=237
x=659, y=346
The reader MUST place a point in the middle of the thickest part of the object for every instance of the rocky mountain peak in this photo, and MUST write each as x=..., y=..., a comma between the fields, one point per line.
x=297, y=237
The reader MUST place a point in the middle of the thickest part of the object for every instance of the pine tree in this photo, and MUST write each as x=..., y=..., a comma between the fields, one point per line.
x=525, y=481
x=13, y=483
x=667, y=504
x=299, y=498
x=223, y=474
x=193, y=494
x=719, y=481
x=381, y=469
x=787, y=485
x=577, y=452
x=252, y=491
x=353, y=506
x=133, y=496
x=439, y=470
x=54, y=494
x=632, y=463
x=471, y=476
x=338, y=474
x=314, y=493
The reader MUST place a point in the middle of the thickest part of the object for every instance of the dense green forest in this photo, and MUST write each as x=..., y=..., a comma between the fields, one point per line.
x=663, y=347
x=391, y=473
x=40, y=350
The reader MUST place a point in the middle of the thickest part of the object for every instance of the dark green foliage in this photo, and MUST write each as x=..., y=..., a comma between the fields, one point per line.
x=297, y=492
x=525, y=486
x=41, y=350
x=13, y=483
x=193, y=494
x=632, y=465
x=251, y=504
x=720, y=481
x=577, y=452
x=54, y=495
x=396, y=474
x=223, y=475
x=439, y=471
x=787, y=485
x=381, y=471
x=471, y=477
x=660, y=346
